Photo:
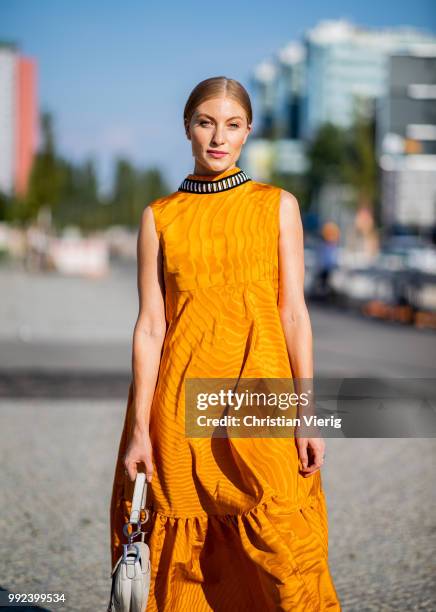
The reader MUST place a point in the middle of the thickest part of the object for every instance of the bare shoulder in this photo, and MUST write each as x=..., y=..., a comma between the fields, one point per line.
x=152, y=211
x=149, y=229
x=289, y=203
x=147, y=219
x=160, y=202
x=290, y=217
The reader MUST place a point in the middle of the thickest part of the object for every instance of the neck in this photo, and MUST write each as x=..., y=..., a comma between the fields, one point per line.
x=201, y=170
x=222, y=181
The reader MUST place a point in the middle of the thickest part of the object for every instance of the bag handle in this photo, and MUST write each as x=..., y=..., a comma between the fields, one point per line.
x=139, y=497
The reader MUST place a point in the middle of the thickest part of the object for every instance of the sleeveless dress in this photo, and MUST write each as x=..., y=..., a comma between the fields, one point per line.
x=234, y=526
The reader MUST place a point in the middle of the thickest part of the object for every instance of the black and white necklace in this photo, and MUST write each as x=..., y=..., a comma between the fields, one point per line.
x=229, y=182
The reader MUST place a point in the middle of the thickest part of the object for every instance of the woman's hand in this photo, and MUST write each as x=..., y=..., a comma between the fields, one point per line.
x=311, y=452
x=139, y=451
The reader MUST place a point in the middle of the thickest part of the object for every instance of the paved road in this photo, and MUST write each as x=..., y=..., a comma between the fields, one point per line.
x=58, y=447
x=54, y=323
x=57, y=462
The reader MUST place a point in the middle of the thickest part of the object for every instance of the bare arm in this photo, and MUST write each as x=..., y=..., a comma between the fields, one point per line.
x=148, y=337
x=150, y=327
x=295, y=318
x=292, y=305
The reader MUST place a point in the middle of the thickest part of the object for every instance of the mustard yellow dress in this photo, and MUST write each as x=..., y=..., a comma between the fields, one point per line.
x=234, y=525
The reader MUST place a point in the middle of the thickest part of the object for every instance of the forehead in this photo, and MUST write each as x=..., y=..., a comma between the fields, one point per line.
x=220, y=107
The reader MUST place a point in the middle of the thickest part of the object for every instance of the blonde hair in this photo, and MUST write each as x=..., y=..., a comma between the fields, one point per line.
x=216, y=87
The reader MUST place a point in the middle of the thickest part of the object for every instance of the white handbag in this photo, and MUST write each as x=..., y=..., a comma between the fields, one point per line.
x=131, y=574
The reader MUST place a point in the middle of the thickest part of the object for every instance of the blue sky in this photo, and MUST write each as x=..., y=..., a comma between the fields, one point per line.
x=116, y=74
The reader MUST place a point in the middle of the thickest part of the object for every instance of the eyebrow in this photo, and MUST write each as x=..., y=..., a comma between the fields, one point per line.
x=206, y=115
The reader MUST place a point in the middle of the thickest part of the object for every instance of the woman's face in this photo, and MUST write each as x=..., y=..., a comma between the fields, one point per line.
x=217, y=131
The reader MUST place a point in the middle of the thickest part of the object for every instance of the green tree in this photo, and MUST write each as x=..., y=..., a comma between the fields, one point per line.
x=360, y=168
x=45, y=184
x=79, y=200
x=344, y=156
x=134, y=189
x=294, y=183
x=71, y=190
x=326, y=155
x=14, y=209
x=124, y=197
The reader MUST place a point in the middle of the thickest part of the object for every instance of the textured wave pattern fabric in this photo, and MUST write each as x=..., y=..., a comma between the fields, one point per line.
x=234, y=526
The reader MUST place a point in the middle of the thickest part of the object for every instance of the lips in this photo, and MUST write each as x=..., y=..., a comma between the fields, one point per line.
x=216, y=153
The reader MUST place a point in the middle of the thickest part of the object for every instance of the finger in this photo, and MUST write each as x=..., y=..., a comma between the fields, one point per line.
x=308, y=474
x=303, y=456
x=131, y=471
x=313, y=467
x=310, y=458
x=149, y=469
x=310, y=471
x=318, y=457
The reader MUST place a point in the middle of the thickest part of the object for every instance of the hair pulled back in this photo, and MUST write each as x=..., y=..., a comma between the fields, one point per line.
x=216, y=87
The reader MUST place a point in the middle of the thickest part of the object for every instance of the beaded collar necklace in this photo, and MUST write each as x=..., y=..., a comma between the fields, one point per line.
x=205, y=186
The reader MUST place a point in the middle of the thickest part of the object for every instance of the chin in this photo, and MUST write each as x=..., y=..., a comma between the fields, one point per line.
x=219, y=163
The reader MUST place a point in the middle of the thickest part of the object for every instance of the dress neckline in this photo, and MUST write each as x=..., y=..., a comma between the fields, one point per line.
x=228, y=179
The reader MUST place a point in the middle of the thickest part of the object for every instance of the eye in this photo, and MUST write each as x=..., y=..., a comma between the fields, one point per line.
x=204, y=121
x=236, y=125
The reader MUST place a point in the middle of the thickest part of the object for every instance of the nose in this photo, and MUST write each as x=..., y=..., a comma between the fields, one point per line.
x=218, y=136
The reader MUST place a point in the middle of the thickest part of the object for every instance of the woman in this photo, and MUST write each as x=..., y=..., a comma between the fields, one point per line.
x=237, y=523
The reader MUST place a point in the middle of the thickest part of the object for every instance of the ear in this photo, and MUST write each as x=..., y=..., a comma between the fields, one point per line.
x=187, y=131
x=247, y=135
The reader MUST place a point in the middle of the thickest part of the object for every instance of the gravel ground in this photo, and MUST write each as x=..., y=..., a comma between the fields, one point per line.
x=58, y=459
x=40, y=306
x=66, y=345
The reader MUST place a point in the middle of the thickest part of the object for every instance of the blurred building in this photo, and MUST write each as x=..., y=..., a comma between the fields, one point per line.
x=406, y=141
x=348, y=69
x=337, y=71
x=264, y=80
x=340, y=71
x=290, y=91
x=277, y=142
x=18, y=119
